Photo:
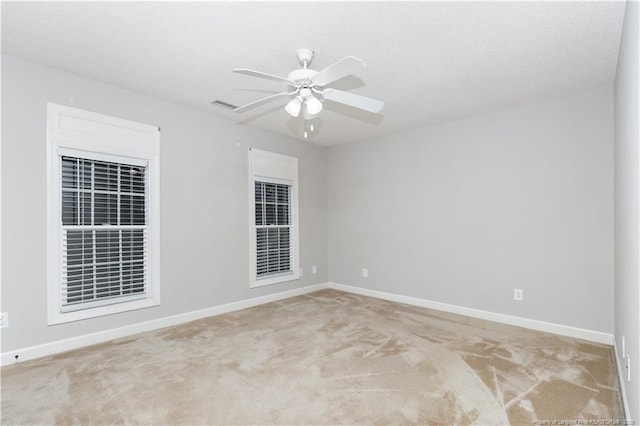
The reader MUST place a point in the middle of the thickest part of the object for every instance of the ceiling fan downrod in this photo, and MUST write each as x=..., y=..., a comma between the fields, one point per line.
x=305, y=56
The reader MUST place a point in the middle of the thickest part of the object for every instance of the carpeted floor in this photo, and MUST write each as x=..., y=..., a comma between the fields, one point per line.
x=324, y=358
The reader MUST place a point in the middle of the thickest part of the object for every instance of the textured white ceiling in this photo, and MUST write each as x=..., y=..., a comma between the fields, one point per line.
x=428, y=61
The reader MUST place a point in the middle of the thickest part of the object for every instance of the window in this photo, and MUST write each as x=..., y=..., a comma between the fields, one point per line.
x=102, y=216
x=104, y=232
x=274, y=229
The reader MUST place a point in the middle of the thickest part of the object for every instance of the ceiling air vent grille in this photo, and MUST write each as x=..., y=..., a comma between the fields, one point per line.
x=223, y=104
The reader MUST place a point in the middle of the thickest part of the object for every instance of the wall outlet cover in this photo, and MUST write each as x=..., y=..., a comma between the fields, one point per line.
x=4, y=320
x=518, y=294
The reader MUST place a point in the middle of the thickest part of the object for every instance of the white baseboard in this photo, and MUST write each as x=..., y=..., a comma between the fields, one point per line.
x=59, y=346
x=563, y=330
x=32, y=352
x=622, y=379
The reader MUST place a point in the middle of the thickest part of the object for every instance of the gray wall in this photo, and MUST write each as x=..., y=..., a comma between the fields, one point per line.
x=627, y=214
x=459, y=213
x=204, y=202
x=464, y=212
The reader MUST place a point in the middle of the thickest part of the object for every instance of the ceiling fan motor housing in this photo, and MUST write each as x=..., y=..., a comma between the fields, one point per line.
x=301, y=76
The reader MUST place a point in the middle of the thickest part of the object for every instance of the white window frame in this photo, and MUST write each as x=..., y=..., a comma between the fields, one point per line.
x=265, y=166
x=84, y=134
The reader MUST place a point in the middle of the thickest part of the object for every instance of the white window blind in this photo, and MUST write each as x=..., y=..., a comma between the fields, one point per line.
x=104, y=233
x=273, y=228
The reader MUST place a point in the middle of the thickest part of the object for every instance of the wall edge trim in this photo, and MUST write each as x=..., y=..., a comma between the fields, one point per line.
x=621, y=381
x=563, y=330
x=59, y=346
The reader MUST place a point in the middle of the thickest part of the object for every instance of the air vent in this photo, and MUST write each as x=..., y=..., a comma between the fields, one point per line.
x=223, y=104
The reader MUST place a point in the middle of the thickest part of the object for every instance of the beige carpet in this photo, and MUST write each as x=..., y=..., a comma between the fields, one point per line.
x=324, y=358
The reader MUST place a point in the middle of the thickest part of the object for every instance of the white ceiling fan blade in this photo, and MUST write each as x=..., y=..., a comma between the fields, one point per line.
x=264, y=75
x=356, y=101
x=262, y=101
x=342, y=68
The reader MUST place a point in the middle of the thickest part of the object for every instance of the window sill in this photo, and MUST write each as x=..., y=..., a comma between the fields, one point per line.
x=61, y=318
x=255, y=283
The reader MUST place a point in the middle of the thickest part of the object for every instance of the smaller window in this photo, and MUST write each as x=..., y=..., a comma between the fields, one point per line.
x=274, y=230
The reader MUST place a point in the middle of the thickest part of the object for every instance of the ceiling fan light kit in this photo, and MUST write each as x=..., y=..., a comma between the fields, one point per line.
x=293, y=106
x=306, y=88
x=313, y=105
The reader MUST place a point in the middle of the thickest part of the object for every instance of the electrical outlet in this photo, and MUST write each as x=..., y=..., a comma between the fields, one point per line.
x=628, y=357
x=518, y=294
x=4, y=320
x=365, y=273
x=314, y=269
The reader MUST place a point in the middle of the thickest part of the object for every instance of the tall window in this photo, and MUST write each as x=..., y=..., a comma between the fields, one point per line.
x=103, y=215
x=104, y=232
x=274, y=236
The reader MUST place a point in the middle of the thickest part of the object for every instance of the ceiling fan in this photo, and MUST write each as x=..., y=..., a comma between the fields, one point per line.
x=307, y=88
